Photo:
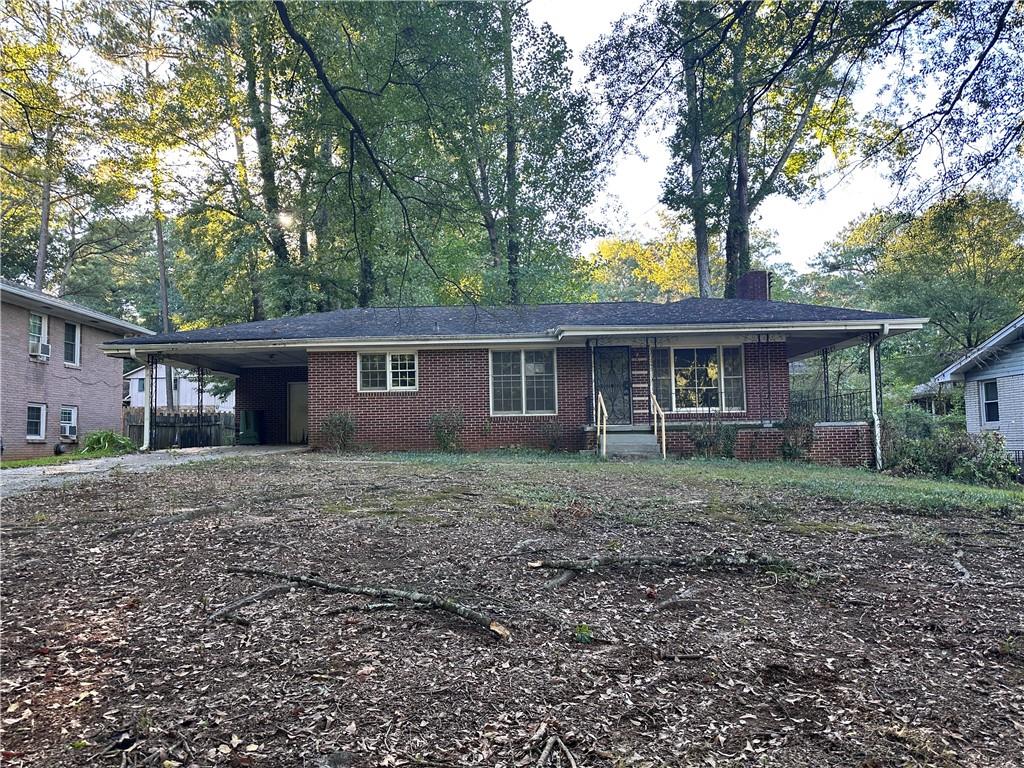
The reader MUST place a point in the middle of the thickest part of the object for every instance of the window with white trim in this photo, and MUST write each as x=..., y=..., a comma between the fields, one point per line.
x=141, y=386
x=37, y=334
x=523, y=381
x=990, y=401
x=35, y=423
x=388, y=371
x=72, y=343
x=69, y=421
x=699, y=378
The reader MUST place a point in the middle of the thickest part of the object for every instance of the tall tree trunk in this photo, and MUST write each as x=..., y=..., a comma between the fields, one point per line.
x=260, y=117
x=366, y=288
x=737, y=239
x=512, y=233
x=44, y=216
x=699, y=202
x=165, y=314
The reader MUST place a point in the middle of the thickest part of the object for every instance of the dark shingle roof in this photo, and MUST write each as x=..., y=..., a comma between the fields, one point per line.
x=532, y=320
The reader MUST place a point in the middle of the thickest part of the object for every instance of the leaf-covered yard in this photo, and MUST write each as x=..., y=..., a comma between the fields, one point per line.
x=881, y=626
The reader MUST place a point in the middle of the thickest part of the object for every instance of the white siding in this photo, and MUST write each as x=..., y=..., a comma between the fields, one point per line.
x=1011, y=410
x=188, y=393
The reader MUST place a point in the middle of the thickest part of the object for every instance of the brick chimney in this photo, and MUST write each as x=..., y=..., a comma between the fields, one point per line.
x=755, y=284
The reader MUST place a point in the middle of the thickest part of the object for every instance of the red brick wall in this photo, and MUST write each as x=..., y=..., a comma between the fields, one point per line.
x=758, y=444
x=94, y=386
x=848, y=445
x=266, y=390
x=451, y=379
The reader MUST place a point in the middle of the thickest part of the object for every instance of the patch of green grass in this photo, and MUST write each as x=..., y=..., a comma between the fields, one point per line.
x=64, y=458
x=844, y=484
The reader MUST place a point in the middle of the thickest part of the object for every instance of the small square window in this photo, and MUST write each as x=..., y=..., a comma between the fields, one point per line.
x=385, y=371
x=69, y=421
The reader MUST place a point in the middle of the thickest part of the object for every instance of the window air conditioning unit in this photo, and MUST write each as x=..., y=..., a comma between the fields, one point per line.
x=68, y=430
x=39, y=349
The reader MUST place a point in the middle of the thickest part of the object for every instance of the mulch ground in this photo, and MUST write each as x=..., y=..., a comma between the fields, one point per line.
x=895, y=639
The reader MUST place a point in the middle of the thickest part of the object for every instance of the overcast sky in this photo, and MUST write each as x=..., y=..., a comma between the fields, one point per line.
x=635, y=184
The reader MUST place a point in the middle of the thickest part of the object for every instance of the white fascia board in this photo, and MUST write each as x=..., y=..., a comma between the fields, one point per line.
x=887, y=326
x=327, y=345
x=956, y=370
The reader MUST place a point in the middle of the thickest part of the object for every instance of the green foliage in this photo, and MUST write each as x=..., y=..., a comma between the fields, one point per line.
x=583, y=633
x=551, y=433
x=938, y=451
x=338, y=431
x=446, y=426
x=713, y=438
x=107, y=441
x=797, y=437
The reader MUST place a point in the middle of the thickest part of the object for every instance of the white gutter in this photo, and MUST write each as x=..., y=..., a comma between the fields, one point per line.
x=555, y=334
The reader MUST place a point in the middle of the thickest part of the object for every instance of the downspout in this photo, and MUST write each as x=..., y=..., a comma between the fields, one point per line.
x=147, y=389
x=875, y=419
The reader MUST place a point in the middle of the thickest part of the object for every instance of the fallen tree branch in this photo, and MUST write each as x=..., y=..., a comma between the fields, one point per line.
x=743, y=560
x=228, y=611
x=548, y=751
x=422, y=598
x=563, y=578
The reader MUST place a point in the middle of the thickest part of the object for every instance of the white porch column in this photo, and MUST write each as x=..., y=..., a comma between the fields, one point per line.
x=147, y=403
x=872, y=347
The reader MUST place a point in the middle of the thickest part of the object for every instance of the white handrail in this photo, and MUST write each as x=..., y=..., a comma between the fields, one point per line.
x=659, y=435
x=601, y=421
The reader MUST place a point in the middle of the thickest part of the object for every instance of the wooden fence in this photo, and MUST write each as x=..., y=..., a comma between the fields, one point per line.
x=185, y=428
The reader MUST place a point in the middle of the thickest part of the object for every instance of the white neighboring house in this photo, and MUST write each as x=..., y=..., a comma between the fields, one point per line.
x=993, y=378
x=186, y=391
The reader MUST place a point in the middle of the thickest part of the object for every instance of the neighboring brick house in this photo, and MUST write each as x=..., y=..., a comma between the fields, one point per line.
x=533, y=375
x=55, y=383
x=993, y=377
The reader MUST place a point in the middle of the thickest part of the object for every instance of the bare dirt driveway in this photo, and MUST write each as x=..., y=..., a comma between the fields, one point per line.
x=878, y=624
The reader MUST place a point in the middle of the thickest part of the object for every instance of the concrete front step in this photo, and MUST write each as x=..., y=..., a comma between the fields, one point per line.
x=632, y=445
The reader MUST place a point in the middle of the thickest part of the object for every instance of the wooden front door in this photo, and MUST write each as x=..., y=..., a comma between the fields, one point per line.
x=613, y=380
x=298, y=405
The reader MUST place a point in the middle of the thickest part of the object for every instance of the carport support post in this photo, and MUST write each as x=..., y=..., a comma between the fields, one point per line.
x=147, y=404
x=875, y=420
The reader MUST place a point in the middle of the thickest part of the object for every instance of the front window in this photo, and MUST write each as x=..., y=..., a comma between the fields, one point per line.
x=35, y=426
x=523, y=381
x=141, y=386
x=388, y=371
x=990, y=401
x=69, y=421
x=699, y=378
x=71, y=343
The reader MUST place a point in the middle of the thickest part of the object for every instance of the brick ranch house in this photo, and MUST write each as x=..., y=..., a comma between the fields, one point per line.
x=521, y=376
x=56, y=384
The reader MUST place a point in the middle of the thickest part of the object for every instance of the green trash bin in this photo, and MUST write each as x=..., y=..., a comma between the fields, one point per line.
x=250, y=428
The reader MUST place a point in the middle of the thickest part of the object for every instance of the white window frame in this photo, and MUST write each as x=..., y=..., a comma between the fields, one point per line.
x=44, y=333
x=74, y=421
x=721, y=378
x=42, y=421
x=522, y=380
x=387, y=367
x=77, y=362
x=983, y=402
x=141, y=386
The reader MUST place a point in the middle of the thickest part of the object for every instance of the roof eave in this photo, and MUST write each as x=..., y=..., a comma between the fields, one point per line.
x=34, y=300
x=955, y=371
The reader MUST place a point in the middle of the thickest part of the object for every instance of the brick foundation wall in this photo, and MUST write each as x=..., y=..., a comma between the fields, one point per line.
x=266, y=390
x=846, y=445
x=451, y=379
x=94, y=385
x=758, y=444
